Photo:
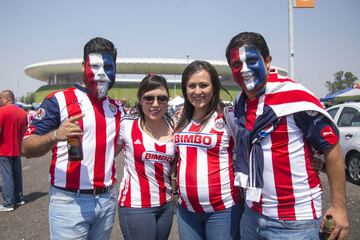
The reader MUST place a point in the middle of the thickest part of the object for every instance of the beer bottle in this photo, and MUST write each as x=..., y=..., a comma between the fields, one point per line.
x=75, y=150
x=329, y=225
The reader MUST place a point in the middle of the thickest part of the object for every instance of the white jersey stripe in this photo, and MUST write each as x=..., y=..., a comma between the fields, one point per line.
x=89, y=137
x=62, y=158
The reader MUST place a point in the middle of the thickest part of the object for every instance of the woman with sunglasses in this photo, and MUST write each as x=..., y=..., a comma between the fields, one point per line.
x=145, y=198
x=209, y=204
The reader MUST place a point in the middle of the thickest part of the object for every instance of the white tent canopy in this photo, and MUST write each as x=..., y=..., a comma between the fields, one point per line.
x=352, y=92
x=176, y=101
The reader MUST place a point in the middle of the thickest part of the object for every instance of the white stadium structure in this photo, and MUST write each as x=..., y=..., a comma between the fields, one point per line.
x=130, y=71
x=68, y=71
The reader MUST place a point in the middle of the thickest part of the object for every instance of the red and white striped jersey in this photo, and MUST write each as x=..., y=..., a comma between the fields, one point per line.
x=205, y=168
x=100, y=126
x=292, y=188
x=146, y=180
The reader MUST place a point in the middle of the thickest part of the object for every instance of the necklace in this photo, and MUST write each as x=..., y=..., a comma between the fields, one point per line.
x=159, y=134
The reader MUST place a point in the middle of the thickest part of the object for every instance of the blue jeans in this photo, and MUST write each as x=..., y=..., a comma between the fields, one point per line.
x=81, y=216
x=12, y=190
x=222, y=225
x=146, y=223
x=256, y=226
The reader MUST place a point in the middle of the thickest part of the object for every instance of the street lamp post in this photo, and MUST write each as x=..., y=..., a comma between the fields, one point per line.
x=291, y=41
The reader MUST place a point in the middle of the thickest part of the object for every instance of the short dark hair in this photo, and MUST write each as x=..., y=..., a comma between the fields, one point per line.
x=9, y=95
x=99, y=45
x=250, y=38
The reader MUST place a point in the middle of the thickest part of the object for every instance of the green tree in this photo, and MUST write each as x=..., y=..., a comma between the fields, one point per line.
x=28, y=98
x=342, y=80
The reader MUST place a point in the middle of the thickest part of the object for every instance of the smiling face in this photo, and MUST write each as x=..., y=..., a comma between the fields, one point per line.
x=199, y=91
x=154, y=104
x=99, y=74
x=249, y=68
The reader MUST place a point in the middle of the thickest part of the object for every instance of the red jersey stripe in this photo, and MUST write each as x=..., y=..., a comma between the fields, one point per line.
x=214, y=173
x=252, y=106
x=288, y=98
x=159, y=175
x=191, y=177
x=281, y=163
x=235, y=191
x=181, y=199
x=53, y=164
x=100, y=148
x=126, y=193
x=140, y=167
x=117, y=130
x=73, y=167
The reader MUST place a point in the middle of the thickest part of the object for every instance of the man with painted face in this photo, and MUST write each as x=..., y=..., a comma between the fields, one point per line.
x=82, y=194
x=278, y=125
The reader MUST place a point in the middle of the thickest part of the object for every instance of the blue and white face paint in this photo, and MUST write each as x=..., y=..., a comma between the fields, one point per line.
x=248, y=67
x=99, y=74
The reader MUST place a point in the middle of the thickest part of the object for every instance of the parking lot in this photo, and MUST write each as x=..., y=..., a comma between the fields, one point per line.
x=30, y=221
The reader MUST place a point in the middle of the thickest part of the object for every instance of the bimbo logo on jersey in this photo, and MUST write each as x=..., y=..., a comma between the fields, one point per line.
x=156, y=156
x=195, y=139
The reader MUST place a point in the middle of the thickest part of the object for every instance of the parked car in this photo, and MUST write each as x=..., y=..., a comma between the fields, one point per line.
x=347, y=118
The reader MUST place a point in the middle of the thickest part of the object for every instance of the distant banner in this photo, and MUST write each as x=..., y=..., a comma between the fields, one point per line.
x=304, y=3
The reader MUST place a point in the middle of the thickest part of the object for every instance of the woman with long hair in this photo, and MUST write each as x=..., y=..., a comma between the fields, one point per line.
x=209, y=204
x=145, y=197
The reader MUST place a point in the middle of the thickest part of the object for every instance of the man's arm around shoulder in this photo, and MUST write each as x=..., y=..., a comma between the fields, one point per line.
x=335, y=170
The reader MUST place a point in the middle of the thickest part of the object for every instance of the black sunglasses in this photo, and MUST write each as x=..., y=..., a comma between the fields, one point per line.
x=160, y=99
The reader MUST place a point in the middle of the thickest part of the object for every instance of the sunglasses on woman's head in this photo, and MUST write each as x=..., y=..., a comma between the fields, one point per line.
x=151, y=98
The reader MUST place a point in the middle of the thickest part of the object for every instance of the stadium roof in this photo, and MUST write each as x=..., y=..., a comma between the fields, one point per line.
x=42, y=71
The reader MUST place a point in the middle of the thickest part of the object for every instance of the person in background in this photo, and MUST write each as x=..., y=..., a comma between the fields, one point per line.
x=13, y=124
x=82, y=194
x=210, y=206
x=31, y=115
x=145, y=195
x=278, y=123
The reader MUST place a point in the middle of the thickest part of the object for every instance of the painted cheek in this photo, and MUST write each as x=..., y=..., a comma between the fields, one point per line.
x=238, y=77
x=259, y=71
x=236, y=71
x=88, y=74
x=258, y=68
x=111, y=72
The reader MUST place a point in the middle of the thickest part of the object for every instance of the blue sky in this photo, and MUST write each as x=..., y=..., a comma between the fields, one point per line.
x=326, y=38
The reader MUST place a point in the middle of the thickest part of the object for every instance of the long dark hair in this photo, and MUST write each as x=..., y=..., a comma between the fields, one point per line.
x=215, y=104
x=151, y=82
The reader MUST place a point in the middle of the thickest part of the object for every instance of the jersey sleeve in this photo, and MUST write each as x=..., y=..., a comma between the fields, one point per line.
x=229, y=116
x=320, y=131
x=124, y=124
x=47, y=117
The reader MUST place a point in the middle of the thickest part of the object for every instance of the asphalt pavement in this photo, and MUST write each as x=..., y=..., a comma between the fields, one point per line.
x=30, y=221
